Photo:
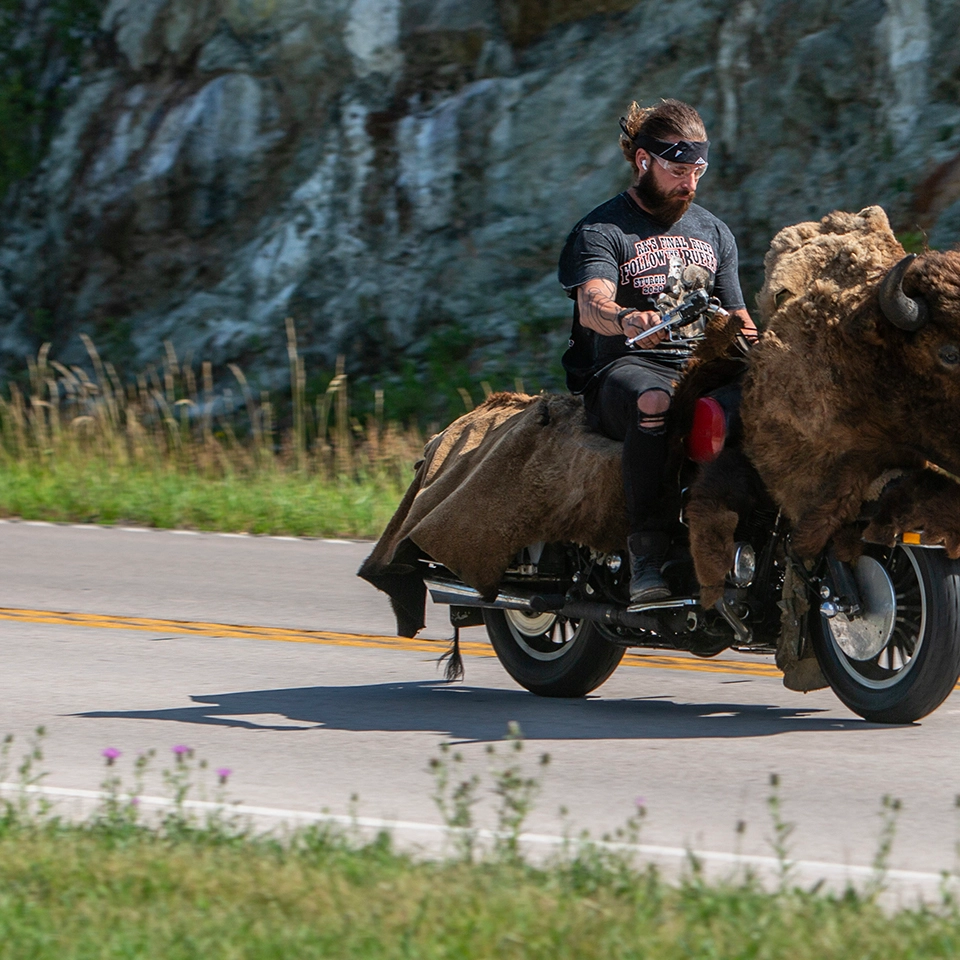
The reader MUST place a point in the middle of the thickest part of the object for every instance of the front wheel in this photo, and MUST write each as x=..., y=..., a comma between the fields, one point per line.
x=551, y=655
x=900, y=659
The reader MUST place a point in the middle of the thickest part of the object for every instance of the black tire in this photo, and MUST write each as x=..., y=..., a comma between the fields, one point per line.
x=919, y=664
x=549, y=655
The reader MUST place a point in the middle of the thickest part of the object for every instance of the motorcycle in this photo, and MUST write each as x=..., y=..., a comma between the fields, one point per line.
x=884, y=628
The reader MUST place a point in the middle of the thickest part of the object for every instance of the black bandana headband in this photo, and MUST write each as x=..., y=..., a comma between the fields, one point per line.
x=682, y=151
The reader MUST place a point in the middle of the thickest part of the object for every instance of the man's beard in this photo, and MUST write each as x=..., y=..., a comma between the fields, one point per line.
x=665, y=207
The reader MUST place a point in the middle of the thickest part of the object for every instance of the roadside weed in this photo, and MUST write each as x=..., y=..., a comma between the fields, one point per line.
x=782, y=831
x=455, y=795
x=515, y=791
x=889, y=812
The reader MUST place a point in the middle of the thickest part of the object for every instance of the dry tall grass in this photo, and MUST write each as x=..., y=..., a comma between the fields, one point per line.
x=167, y=419
x=171, y=450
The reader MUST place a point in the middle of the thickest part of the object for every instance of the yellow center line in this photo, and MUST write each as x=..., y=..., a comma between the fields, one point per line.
x=696, y=665
x=329, y=638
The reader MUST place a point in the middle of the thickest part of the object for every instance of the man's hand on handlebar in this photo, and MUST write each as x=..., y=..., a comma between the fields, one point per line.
x=747, y=327
x=634, y=321
x=600, y=312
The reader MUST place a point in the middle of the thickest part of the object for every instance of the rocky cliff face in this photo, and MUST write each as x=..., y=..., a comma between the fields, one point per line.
x=398, y=175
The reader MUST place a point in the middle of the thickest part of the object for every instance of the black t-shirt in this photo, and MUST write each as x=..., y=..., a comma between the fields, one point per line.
x=619, y=241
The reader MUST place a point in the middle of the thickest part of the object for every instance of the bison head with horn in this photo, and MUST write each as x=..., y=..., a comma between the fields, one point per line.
x=858, y=371
x=907, y=313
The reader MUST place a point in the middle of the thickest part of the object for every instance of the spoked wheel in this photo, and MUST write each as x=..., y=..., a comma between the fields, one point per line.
x=900, y=659
x=551, y=655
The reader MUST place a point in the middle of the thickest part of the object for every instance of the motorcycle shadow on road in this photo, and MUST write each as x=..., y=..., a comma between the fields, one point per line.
x=481, y=714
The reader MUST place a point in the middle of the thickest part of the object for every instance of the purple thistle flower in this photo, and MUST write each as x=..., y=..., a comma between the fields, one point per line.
x=640, y=802
x=223, y=773
x=110, y=754
x=134, y=801
x=181, y=750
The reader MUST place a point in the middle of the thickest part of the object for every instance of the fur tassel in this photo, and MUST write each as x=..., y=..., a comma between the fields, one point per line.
x=454, y=669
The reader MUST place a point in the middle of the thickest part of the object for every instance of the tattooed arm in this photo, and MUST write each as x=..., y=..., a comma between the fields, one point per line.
x=600, y=312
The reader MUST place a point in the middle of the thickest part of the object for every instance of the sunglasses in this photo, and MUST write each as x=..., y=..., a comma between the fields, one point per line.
x=681, y=170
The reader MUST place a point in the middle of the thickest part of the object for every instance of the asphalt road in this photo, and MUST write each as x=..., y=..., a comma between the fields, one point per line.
x=266, y=655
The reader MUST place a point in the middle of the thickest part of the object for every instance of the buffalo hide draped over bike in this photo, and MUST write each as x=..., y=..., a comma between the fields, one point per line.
x=516, y=470
x=853, y=393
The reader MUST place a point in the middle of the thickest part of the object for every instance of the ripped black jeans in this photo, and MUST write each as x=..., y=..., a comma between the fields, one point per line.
x=610, y=399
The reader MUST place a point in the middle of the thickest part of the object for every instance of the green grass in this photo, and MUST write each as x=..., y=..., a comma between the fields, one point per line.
x=79, y=892
x=275, y=501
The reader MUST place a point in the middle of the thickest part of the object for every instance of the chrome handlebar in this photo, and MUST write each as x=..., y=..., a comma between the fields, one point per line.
x=693, y=306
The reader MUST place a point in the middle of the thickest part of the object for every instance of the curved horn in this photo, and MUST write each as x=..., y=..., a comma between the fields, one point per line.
x=907, y=313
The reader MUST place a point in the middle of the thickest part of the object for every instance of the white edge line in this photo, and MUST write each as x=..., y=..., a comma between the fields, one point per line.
x=539, y=839
x=210, y=533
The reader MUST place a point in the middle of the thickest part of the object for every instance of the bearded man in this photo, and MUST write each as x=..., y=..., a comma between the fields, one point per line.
x=615, y=263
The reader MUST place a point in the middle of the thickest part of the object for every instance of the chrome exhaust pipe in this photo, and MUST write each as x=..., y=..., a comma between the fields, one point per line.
x=461, y=595
x=637, y=616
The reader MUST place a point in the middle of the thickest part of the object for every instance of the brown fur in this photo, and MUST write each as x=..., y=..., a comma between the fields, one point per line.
x=727, y=488
x=514, y=471
x=712, y=528
x=724, y=490
x=836, y=395
x=836, y=398
x=796, y=658
x=921, y=501
x=718, y=360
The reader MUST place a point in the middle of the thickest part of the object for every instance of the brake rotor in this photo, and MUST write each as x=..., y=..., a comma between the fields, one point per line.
x=864, y=636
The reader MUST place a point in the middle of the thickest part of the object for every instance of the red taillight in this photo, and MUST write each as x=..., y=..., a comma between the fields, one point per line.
x=709, y=431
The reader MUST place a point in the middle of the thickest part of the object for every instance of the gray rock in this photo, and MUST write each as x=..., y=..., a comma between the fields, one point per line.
x=399, y=175
x=946, y=232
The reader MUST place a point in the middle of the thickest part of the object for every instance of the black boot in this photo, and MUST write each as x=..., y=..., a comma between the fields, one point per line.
x=647, y=553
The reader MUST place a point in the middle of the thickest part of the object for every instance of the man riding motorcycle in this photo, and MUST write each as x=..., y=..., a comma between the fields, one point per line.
x=846, y=568
x=615, y=263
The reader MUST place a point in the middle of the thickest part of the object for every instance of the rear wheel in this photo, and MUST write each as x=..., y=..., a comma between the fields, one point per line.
x=901, y=659
x=551, y=655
